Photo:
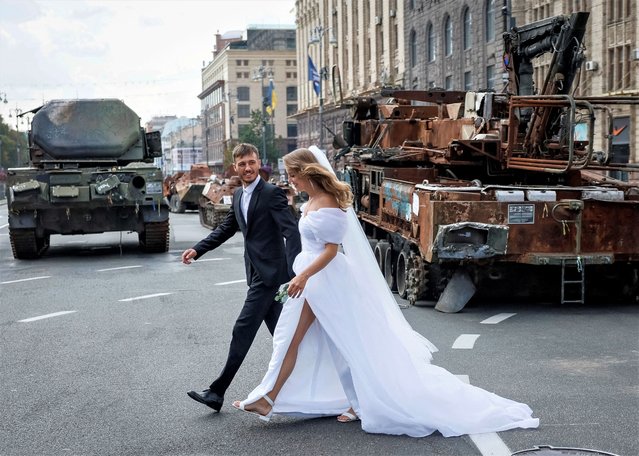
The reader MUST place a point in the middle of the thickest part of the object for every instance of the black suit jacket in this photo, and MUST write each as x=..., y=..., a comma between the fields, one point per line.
x=270, y=222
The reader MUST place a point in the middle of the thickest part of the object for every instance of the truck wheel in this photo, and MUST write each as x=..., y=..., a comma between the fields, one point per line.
x=155, y=237
x=401, y=270
x=176, y=205
x=389, y=270
x=380, y=254
x=25, y=245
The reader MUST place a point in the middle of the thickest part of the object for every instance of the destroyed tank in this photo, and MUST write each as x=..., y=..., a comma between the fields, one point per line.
x=497, y=194
x=215, y=200
x=183, y=189
x=91, y=170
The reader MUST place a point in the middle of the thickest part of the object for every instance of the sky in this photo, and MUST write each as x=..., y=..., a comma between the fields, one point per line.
x=148, y=53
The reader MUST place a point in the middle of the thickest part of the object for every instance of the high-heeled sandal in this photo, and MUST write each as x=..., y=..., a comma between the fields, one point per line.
x=240, y=406
x=350, y=417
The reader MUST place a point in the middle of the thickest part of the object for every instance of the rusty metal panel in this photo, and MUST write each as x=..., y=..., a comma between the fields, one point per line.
x=397, y=199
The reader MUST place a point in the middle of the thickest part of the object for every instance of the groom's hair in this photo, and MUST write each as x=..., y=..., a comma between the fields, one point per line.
x=244, y=149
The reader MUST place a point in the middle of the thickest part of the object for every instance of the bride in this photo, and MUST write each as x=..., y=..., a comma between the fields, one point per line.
x=343, y=348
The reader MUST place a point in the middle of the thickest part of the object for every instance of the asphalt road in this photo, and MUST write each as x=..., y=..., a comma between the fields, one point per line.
x=109, y=376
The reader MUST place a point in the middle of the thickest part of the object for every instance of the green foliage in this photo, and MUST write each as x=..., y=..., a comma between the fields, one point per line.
x=8, y=154
x=252, y=133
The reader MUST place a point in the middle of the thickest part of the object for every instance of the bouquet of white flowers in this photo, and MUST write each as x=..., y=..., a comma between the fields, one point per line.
x=282, y=293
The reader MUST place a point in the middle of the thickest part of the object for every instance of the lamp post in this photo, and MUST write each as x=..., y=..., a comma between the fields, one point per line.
x=3, y=94
x=17, y=112
x=260, y=73
x=317, y=37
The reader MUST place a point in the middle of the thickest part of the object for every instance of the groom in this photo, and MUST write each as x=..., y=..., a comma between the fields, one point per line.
x=260, y=210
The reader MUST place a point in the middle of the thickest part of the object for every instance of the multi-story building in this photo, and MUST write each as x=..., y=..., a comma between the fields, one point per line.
x=611, y=64
x=239, y=80
x=356, y=46
x=454, y=45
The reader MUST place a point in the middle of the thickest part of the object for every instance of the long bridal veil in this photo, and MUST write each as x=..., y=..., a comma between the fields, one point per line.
x=368, y=276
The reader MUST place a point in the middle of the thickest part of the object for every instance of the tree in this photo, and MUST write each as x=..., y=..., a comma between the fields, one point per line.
x=252, y=133
x=8, y=157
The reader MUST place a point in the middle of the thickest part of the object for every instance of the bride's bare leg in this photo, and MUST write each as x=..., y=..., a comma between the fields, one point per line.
x=307, y=318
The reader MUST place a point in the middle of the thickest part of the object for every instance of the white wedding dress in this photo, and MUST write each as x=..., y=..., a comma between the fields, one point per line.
x=364, y=354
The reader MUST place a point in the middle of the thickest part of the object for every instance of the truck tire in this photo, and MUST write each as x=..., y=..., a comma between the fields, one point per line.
x=155, y=237
x=389, y=269
x=401, y=271
x=380, y=253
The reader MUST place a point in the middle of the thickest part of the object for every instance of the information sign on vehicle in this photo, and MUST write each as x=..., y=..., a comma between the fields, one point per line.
x=520, y=214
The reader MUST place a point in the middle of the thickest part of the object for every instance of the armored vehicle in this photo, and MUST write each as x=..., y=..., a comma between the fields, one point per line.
x=499, y=194
x=183, y=189
x=91, y=171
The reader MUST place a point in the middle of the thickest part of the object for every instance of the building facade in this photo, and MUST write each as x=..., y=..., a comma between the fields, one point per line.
x=240, y=79
x=357, y=47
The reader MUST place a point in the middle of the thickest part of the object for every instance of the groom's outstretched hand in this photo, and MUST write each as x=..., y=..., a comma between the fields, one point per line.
x=188, y=255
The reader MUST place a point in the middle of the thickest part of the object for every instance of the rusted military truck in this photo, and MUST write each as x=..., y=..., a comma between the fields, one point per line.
x=91, y=170
x=497, y=194
x=215, y=200
x=183, y=189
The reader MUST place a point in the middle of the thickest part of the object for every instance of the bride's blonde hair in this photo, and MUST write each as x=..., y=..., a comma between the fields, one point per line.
x=303, y=163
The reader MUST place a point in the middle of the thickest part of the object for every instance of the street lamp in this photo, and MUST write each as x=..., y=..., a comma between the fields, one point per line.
x=18, y=112
x=317, y=37
x=3, y=94
x=260, y=73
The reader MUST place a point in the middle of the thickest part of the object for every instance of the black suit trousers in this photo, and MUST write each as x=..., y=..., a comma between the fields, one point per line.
x=259, y=307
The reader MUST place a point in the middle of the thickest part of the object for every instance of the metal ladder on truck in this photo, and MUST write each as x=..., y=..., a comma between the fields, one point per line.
x=573, y=275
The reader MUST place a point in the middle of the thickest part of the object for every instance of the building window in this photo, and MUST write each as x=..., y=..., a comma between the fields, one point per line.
x=448, y=85
x=243, y=111
x=490, y=77
x=467, y=35
x=431, y=43
x=268, y=63
x=412, y=48
x=243, y=94
x=290, y=63
x=490, y=20
x=291, y=109
x=291, y=93
x=291, y=130
x=619, y=68
x=468, y=80
x=448, y=36
x=291, y=75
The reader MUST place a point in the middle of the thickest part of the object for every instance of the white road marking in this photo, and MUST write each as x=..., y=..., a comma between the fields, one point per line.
x=488, y=444
x=42, y=317
x=136, y=298
x=25, y=280
x=229, y=283
x=497, y=318
x=4, y=226
x=210, y=259
x=121, y=267
x=465, y=341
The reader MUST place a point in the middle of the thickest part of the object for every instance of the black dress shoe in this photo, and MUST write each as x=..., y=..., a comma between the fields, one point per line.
x=207, y=397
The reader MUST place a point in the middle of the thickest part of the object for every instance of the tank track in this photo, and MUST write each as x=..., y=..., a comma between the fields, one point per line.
x=155, y=237
x=26, y=245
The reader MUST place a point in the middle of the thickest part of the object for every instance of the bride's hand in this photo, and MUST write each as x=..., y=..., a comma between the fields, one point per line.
x=296, y=285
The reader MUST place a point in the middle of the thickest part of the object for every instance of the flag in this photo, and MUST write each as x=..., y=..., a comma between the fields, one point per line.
x=272, y=99
x=313, y=75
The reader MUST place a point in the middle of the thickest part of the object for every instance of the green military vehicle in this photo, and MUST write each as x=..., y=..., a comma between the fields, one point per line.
x=91, y=170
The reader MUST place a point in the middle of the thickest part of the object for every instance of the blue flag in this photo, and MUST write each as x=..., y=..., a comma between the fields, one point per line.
x=313, y=75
